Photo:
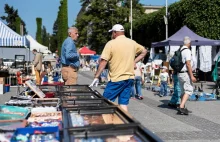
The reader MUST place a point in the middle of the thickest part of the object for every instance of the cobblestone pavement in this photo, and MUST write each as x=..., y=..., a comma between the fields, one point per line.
x=203, y=125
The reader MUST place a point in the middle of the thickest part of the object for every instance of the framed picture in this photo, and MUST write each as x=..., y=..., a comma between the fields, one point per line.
x=34, y=88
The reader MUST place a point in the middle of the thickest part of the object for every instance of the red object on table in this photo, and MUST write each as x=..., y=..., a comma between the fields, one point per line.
x=49, y=95
x=54, y=83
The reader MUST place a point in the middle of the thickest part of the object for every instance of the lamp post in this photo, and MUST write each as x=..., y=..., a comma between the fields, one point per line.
x=166, y=20
x=131, y=21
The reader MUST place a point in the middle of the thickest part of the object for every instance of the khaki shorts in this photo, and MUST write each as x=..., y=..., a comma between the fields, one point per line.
x=186, y=84
x=69, y=75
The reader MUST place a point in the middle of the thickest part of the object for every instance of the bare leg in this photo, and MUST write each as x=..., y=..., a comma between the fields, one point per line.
x=124, y=107
x=183, y=100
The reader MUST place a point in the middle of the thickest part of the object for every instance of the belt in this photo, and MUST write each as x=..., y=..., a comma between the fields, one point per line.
x=183, y=71
x=64, y=65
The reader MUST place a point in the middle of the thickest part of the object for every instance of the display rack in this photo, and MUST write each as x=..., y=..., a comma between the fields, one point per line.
x=80, y=95
x=99, y=115
x=97, y=102
x=127, y=132
x=78, y=113
x=76, y=88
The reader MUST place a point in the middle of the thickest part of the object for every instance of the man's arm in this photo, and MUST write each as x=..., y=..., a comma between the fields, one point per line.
x=102, y=65
x=189, y=68
x=71, y=53
x=141, y=55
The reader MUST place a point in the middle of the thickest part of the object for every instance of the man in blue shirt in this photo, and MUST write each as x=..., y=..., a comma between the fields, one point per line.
x=70, y=57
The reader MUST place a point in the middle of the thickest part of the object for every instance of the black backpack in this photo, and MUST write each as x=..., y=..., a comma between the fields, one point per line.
x=176, y=61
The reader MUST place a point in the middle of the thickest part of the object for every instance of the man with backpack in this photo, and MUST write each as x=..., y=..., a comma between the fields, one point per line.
x=181, y=63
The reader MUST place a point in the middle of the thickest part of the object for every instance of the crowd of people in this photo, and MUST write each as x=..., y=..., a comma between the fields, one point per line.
x=120, y=65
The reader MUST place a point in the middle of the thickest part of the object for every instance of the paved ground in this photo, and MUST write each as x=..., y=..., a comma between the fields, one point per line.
x=203, y=125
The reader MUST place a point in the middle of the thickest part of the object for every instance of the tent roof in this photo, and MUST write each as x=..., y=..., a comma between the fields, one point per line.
x=177, y=39
x=35, y=45
x=10, y=38
x=86, y=51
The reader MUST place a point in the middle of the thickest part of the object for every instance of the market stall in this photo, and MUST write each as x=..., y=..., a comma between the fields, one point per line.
x=9, y=38
x=35, y=45
x=203, y=50
x=85, y=51
x=76, y=113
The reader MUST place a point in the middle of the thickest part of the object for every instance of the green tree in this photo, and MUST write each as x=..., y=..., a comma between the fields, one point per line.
x=12, y=14
x=39, y=31
x=201, y=16
x=45, y=37
x=18, y=25
x=53, y=37
x=98, y=16
x=53, y=43
x=62, y=24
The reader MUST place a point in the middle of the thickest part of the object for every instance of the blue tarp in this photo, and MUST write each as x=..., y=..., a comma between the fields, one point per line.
x=95, y=57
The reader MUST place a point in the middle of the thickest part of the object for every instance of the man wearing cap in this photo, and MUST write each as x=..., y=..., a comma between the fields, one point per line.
x=70, y=58
x=120, y=54
x=185, y=76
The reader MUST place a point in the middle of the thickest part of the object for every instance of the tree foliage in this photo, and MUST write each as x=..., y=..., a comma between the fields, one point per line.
x=53, y=38
x=62, y=24
x=12, y=14
x=39, y=30
x=201, y=16
x=18, y=25
x=45, y=37
x=98, y=16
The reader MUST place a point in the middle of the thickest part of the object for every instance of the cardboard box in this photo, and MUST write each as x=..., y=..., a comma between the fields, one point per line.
x=2, y=80
x=2, y=85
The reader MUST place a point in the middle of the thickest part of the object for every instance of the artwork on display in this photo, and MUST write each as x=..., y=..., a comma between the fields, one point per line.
x=34, y=88
x=87, y=119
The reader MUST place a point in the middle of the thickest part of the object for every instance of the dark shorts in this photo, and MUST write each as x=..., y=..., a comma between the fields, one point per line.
x=120, y=89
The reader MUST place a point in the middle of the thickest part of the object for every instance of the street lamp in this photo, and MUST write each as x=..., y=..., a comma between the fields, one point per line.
x=166, y=20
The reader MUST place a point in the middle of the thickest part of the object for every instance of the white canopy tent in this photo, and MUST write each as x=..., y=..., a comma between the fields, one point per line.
x=35, y=45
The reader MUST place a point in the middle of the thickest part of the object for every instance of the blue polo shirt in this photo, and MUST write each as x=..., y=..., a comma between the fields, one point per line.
x=69, y=55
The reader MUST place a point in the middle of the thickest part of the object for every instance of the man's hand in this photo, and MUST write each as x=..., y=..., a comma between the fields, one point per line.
x=95, y=82
x=135, y=67
x=193, y=79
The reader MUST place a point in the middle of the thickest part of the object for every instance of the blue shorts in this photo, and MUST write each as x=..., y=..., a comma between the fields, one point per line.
x=120, y=89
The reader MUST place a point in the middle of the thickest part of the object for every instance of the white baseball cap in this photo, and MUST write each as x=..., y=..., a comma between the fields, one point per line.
x=117, y=28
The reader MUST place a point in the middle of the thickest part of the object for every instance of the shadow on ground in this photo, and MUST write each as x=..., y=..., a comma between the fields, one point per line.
x=165, y=104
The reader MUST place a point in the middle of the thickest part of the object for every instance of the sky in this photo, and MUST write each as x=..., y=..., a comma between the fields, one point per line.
x=29, y=10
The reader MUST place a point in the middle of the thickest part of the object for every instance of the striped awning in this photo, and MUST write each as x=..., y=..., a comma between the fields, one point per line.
x=10, y=38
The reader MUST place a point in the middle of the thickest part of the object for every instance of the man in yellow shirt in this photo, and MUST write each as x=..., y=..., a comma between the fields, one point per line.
x=120, y=54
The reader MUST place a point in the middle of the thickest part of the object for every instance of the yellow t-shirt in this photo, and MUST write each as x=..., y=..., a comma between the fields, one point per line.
x=120, y=54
